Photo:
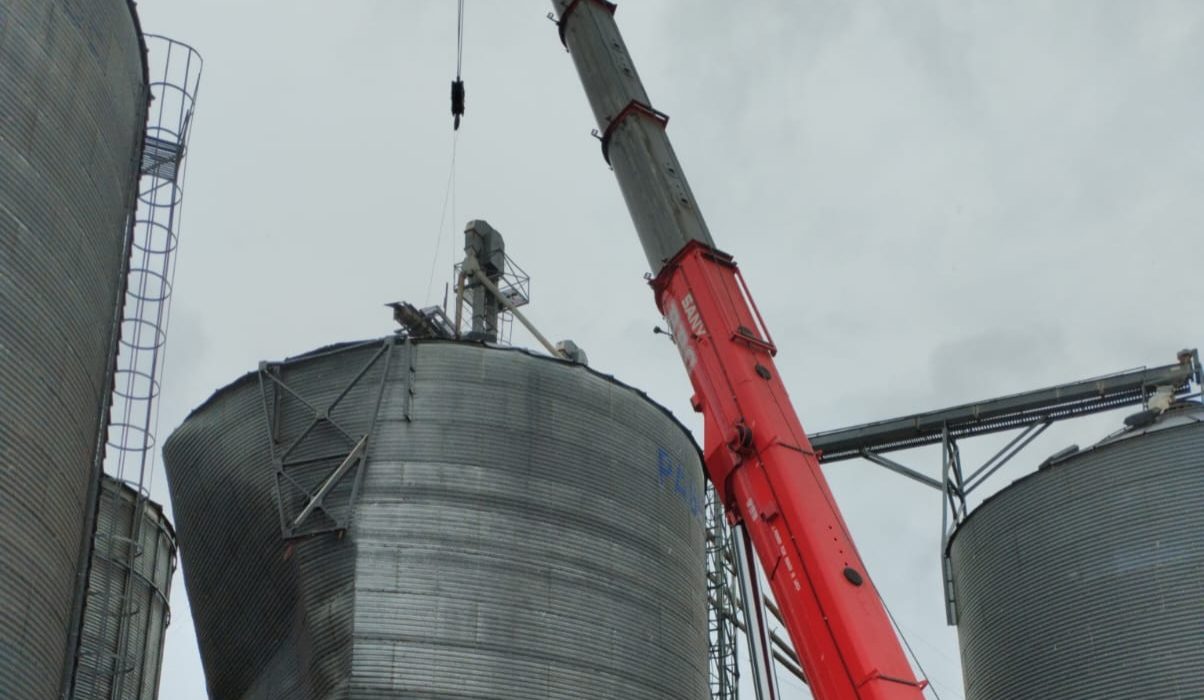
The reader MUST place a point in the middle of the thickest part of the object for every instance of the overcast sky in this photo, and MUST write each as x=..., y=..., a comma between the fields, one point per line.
x=933, y=201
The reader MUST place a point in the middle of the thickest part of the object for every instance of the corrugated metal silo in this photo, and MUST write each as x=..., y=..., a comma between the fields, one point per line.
x=1085, y=580
x=493, y=524
x=72, y=111
x=125, y=664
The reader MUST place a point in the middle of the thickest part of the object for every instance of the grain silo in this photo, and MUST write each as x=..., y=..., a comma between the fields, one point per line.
x=133, y=560
x=1085, y=579
x=73, y=106
x=433, y=518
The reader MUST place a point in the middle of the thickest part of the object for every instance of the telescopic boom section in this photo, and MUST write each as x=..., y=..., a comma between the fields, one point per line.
x=756, y=452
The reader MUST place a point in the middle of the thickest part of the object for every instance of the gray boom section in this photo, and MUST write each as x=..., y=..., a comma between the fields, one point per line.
x=1006, y=413
x=72, y=114
x=652, y=181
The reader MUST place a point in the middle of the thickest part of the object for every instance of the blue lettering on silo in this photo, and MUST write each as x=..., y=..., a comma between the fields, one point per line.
x=672, y=474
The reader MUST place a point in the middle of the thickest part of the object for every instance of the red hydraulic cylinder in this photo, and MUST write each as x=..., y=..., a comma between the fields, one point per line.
x=765, y=471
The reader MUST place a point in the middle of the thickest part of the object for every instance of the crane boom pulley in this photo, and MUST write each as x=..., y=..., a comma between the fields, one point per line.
x=457, y=86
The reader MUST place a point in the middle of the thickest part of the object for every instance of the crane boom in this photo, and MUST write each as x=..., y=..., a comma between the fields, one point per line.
x=755, y=450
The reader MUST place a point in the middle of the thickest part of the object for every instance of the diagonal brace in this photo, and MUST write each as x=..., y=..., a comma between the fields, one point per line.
x=900, y=469
x=331, y=481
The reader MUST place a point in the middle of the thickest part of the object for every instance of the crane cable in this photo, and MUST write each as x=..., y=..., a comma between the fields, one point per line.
x=449, y=192
x=457, y=86
x=914, y=656
x=449, y=195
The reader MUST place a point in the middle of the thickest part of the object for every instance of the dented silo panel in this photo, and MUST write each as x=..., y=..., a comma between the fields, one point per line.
x=505, y=526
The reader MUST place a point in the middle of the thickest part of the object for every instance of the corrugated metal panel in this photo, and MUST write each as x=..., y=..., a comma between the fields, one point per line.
x=72, y=106
x=1085, y=580
x=110, y=667
x=521, y=528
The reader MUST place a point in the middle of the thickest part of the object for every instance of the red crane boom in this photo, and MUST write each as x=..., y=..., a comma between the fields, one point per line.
x=755, y=450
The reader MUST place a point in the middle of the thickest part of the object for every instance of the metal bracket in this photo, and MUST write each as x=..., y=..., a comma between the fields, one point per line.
x=957, y=488
x=562, y=24
x=411, y=375
x=634, y=107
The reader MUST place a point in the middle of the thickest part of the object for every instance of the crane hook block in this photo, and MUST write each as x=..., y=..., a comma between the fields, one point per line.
x=457, y=99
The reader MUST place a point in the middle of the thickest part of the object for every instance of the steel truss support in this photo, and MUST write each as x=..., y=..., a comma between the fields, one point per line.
x=956, y=487
x=1128, y=388
x=722, y=607
x=480, y=291
x=1029, y=413
x=725, y=611
x=310, y=469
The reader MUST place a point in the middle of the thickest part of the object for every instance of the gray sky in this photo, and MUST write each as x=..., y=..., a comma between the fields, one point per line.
x=933, y=201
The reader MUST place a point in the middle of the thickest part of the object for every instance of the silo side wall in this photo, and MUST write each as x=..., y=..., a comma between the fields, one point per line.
x=542, y=551
x=116, y=664
x=1085, y=581
x=72, y=110
x=522, y=528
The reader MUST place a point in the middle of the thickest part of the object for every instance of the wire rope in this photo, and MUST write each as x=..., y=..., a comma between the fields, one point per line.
x=907, y=644
x=447, y=197
x=459, y=38
x=449, y=191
